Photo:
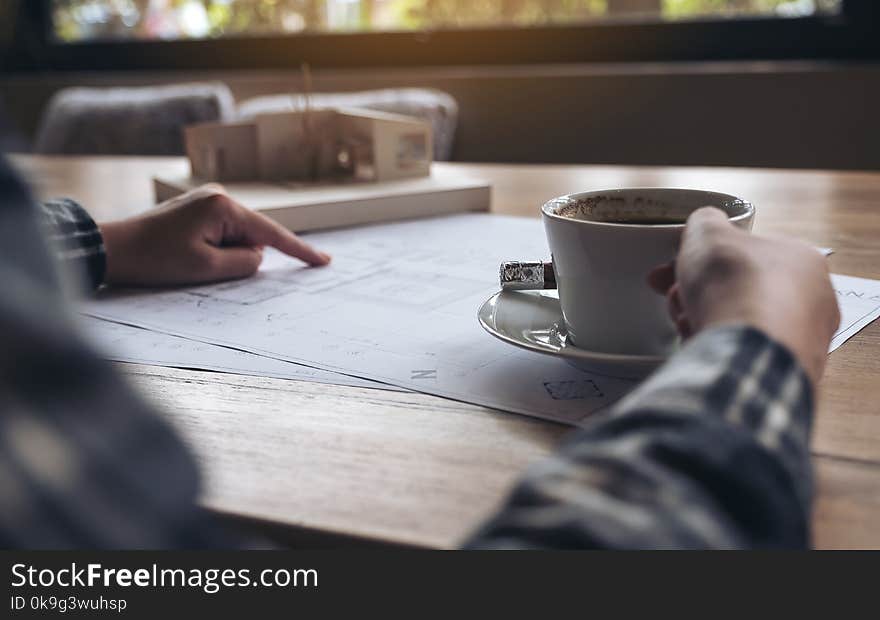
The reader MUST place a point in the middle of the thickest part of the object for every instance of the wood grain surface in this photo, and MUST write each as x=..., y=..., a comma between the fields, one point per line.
x=419, y=470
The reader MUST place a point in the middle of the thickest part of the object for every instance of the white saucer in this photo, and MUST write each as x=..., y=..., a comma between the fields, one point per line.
x=532, y=320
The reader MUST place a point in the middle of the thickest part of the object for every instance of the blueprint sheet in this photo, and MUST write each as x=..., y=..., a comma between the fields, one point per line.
x=124, y=343
x=398, y=305
x=859, y=301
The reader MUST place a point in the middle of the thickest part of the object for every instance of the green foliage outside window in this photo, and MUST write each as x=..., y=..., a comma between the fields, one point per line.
x=97, y=19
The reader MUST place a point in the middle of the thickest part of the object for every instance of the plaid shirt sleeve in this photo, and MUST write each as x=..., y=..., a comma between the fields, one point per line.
x=76, y=239
x=711, y=452
x=85, y=461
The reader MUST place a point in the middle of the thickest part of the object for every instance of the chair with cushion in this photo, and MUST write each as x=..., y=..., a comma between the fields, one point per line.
x=129, y=121
x=434, y=106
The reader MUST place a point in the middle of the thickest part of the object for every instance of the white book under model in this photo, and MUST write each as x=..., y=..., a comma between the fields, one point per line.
x=302, y=206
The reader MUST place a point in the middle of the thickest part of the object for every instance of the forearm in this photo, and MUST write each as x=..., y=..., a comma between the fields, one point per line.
x=711, y=452
x=76, y=240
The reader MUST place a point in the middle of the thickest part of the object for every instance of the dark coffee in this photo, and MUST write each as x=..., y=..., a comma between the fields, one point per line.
x=641, y=219
x=648, y=207
x=617, y=211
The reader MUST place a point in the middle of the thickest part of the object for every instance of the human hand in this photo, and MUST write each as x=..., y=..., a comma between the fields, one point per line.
x=723, y=275
x=200, y=236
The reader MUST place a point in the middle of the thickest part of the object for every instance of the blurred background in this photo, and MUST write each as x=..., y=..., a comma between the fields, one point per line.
x=77, y=20
x=775, y=83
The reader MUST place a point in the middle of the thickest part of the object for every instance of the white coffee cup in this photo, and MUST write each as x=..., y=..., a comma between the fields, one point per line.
x=604, y=244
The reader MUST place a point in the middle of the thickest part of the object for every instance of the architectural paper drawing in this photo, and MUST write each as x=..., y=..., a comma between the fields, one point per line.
x=398, y=305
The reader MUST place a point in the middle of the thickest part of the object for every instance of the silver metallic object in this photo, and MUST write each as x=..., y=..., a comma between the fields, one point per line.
x=527, y=275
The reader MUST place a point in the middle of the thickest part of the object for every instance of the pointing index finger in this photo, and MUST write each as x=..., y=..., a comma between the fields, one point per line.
x=260, y=230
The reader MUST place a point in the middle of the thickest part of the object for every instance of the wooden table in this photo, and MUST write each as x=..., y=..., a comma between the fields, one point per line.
x=321, y=463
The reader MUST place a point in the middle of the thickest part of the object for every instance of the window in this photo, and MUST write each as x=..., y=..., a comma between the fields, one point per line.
x=96, y=20
x=195, y=35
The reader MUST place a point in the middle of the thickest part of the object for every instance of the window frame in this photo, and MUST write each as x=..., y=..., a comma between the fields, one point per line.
x=852, y=35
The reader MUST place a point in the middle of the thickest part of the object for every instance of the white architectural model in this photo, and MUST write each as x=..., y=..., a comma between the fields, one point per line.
x=312, y=145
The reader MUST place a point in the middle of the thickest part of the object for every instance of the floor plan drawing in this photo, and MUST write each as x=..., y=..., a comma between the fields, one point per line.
x=398, y=305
